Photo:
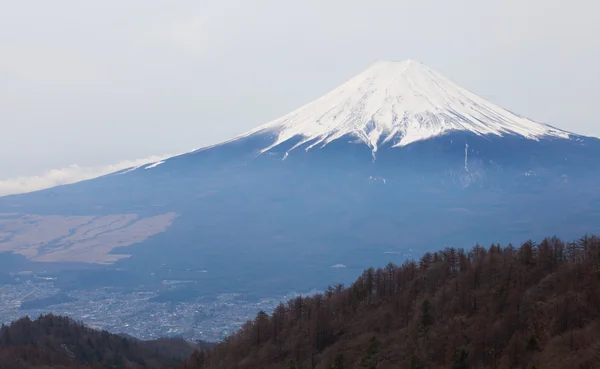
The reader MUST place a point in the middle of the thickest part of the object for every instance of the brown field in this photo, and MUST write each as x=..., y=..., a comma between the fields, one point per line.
x=87, y=239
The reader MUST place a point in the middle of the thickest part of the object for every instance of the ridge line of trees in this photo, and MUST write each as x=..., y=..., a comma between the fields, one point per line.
x=52, y=341
x=533, y=306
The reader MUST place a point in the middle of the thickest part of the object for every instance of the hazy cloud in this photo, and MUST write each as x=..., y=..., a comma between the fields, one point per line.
x=187, y=35
x=59, y=66
x=71, y=174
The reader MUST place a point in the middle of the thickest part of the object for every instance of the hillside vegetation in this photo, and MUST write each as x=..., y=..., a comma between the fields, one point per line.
x=59, y=342
x=533, y=306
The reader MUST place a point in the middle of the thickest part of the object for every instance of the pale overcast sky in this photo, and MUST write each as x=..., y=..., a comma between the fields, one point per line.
x=94, y=83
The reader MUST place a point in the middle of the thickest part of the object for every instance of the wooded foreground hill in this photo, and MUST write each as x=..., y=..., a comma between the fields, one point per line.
x=535, y=306
x=59, y=342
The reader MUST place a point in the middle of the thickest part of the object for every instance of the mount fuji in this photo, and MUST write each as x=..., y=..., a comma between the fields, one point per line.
x=399, y=103
x=398, y=160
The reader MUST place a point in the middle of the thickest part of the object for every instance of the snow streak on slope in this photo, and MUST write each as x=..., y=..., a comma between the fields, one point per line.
x=399, y=103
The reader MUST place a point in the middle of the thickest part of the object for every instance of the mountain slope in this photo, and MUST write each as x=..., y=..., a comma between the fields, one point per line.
x=318, y=195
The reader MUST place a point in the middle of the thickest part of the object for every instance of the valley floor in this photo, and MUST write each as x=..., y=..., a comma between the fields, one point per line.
x=136, y=313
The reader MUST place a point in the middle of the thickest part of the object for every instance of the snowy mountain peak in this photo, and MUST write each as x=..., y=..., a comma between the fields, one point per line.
x=399, y=103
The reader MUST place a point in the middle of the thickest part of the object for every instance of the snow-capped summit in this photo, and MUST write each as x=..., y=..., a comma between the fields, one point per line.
x=398, y=103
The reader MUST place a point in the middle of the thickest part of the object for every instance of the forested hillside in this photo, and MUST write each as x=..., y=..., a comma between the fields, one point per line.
x=533, y=306
x=58, y=342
